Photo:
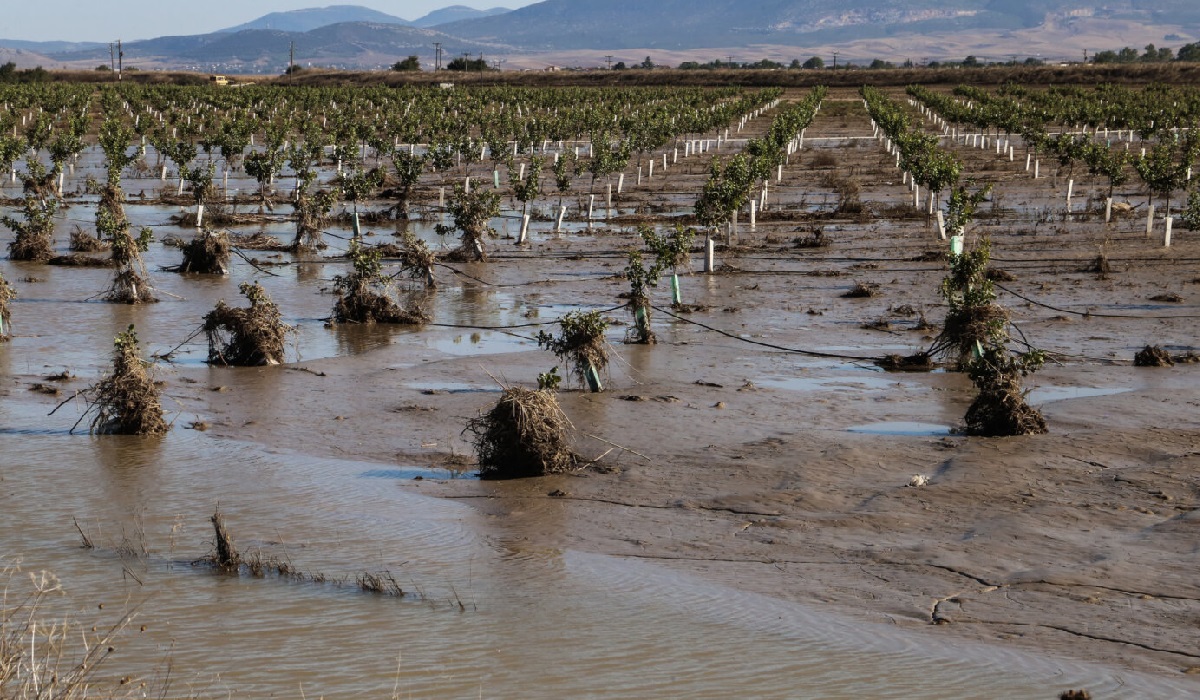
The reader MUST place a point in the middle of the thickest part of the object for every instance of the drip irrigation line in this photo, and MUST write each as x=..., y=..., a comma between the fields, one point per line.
x=810, y=353
x=253, y=264
x=1088, y=313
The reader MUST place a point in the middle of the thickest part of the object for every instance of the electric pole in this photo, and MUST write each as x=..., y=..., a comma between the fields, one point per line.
x=835, y=55
x=120, y=59
x=608, y=60
x=437, y=55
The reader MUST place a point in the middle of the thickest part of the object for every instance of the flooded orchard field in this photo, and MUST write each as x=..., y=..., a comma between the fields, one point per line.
x=746, y=519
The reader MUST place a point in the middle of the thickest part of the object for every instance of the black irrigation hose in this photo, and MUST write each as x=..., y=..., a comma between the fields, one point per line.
x=1088, y=313
x=810, y=353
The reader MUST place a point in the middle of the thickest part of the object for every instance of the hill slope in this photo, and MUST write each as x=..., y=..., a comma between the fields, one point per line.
x=681, y=24
x=317, y=17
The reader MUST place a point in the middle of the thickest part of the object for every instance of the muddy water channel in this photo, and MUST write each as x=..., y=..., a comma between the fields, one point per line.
x=485, y=610
x=757, y=539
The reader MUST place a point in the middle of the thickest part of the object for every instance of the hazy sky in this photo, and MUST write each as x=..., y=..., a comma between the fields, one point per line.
x=101, y=20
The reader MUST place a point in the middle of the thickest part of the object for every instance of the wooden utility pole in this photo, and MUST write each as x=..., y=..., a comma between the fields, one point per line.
x=437, y=55
x=120, y=59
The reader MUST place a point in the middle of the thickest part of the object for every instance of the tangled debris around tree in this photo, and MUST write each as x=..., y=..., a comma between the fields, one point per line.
x=524, y=434
x=1152, y=356
x=34, y=235
x=249, y=336
x=641, y=280
x=976, y=333
x=471, y=210
x=365, y=295
x=417, y=259
x=581, y=344
x=131, y=284
x=207, y=253
x=126, y=402
x=1000, y=408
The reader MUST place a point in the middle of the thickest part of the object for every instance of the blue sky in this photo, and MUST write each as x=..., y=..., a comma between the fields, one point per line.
x=104, y=21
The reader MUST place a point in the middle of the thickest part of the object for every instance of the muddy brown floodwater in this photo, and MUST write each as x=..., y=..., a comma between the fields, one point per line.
x=754, y=535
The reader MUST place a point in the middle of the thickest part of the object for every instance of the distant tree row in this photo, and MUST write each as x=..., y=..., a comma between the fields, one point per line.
x=1188, y=52
x=10, y=74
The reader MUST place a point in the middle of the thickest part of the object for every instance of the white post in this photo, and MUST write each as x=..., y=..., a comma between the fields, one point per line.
x=941, y=219
x=620, y=182
x=199, y=216
x=1108, y=211
x=442, y=197
x=1037, y=166
x=1150, y=221
x=467, y=184
x=521, y=238
x=753, y=215
x=639, y=177
x=779, y=173
x=1070, y=191
x=709, y=249
x=1167, y=234
x=651, y=174
x=562, y=212
x=591, y=206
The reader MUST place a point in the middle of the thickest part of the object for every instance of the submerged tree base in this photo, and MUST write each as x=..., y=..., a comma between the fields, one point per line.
x=1001, y=413
x=365, y=306
x=130, y=288
x=524, y=434
x=207, y=253
x=126, y=402
x=246, y=336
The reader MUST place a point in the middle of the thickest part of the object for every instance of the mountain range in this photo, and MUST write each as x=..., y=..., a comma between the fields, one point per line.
x=348, y=36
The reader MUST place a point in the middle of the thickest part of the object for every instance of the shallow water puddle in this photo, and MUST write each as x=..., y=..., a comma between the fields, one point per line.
x=1047, y=394
x=868, y=381
x=901, y=428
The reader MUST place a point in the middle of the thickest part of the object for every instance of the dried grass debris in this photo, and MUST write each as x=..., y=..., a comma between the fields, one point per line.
x=249, y=336
x=525, y=434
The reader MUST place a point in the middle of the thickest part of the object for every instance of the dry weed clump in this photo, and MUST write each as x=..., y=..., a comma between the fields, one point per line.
x=364, y=295
x=1152, y=356
x=248, y=336
x=861, y=290
x=207, y=253
x=126, y=402
x=84, y=242
x=524, y=434
x=58, y=658
x=7, y=294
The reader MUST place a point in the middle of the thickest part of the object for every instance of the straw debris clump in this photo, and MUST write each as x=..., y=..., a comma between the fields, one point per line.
x=525, y=434
x=126, y=402
x=249, y=336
